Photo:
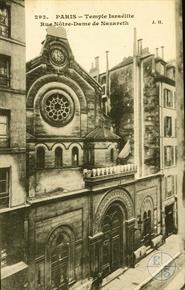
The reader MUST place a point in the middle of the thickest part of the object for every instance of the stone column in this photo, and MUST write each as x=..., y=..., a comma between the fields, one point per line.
x=175, y=216
x=95, y=245
x=130, y=227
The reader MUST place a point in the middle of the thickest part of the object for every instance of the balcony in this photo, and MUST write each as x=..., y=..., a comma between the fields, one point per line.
x=109, y=174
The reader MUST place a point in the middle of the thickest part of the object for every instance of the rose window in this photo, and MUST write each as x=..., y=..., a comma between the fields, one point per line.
x=57, y=109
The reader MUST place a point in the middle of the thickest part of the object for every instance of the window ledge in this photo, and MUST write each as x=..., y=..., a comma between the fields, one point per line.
x=11, y=90
x=12, y=150
x=8, y=209
x=9, y=39
x=170, y=166
x=169, y=108
x=8, y=271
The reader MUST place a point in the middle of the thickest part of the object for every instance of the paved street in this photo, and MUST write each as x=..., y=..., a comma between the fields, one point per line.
x=136, y=278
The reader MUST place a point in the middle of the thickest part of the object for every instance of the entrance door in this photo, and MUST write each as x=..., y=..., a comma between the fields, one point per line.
x=147, y=227
x=112, y=227
x=169, y=220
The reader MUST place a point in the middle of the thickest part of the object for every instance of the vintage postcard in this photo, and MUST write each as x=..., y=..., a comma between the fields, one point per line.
x=91, y=145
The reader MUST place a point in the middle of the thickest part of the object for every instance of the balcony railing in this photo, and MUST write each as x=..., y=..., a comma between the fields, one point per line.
x=109, y=171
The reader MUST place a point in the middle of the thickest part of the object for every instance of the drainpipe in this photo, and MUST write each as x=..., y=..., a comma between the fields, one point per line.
x=107, y=83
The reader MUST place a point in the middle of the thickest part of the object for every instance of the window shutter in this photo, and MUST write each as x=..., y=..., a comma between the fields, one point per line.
x=165, y=124
x=173, y=184
x=165, y=184
x=165, y=155
x=164, y=98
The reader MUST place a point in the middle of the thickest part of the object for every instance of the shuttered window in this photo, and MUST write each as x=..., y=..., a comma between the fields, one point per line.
x=4, y=187
x=4, y=128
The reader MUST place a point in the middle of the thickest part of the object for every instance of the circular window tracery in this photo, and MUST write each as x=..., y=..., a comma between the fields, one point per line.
x=57, y=108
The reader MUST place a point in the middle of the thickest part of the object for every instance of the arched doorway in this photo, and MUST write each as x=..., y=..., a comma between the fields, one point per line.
x=112, y=228
x=147, y=227
x=147, y=211
x=112, y=243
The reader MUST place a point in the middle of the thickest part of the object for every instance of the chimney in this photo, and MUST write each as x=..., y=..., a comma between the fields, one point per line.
x=162, y=52
x=107, y=60
x=157, y=54
x=97, y=67
x=153, y=64
x=139, y=46
x=107, y=81
x=135, y=43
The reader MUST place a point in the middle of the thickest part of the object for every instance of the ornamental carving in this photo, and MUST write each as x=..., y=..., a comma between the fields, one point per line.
x=57, y=108
x=116, y=195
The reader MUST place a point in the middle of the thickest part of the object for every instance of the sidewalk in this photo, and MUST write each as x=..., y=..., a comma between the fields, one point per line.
x=135, y=278
x=178, y=281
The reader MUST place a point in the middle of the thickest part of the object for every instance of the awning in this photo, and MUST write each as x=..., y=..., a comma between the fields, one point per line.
x=10, y=270
x=125, y=151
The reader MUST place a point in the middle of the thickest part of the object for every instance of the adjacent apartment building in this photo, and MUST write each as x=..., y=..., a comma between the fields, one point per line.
x=139, y=95
x=12, y=145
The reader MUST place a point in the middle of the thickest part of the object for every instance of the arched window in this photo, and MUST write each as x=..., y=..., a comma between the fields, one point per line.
x=149, y=222
x=40, y=157
x=58, y=157
x=147, y=227
x=60, y=259
x=145, y=223
x=59, y=263
x=75, y=156
x=112, y=155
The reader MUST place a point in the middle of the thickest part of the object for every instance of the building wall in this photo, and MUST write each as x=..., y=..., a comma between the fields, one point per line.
x=149, y=197
x=13, y=100
x=83, y=213
x=52, y=179
x=121, y=86
x=121, y=94
x=13, y=151
x=150, y=118
x=71, y=213
x=169, y=139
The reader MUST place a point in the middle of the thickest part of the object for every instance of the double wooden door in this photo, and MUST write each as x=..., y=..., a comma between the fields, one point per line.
x=112, y=228
x=169, y=220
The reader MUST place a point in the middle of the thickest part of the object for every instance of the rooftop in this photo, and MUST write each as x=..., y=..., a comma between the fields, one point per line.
x=102, y=134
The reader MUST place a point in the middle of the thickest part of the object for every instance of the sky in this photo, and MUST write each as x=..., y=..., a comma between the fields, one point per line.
x=87, y=42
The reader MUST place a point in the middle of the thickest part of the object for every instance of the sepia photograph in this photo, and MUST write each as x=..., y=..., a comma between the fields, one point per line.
x=92, y=178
